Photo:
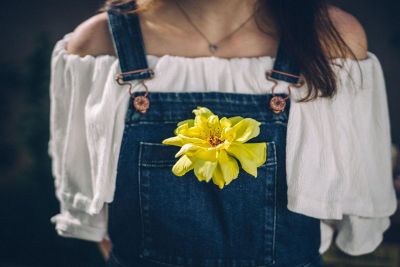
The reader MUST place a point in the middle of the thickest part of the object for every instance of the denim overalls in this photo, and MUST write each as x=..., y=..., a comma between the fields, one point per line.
x=158, y=219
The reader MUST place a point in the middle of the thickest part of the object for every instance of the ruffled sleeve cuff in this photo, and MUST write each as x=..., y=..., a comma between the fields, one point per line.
x=355, y=235
x=78, y=224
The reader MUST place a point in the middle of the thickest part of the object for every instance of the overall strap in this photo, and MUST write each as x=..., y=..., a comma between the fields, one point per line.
x=285, y=69
x=128, y=42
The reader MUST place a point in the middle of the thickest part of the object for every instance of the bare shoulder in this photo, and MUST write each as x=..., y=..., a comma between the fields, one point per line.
x=91, y=37
x=350, y=30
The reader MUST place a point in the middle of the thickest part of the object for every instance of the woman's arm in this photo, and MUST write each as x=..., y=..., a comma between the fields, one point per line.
x=105, y=248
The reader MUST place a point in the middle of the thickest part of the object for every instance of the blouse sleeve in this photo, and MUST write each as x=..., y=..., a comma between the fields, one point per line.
x=78, y=138
x=340, y=159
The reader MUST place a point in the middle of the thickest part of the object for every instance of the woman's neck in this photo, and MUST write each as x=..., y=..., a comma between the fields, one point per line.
x=214, y=17
x=168, y=31
x=218, y=10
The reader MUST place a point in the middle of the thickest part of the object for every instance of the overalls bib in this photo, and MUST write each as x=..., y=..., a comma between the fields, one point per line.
x=158, y=219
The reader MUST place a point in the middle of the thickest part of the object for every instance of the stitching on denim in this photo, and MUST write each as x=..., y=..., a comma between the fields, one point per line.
x=266, y=215
x=151, y=143
x=275, y=161
x=281, y=122
x=148, y=122
x=169, y=162
x=152, y=122
x=139, y=191
x=172, y=122
x=238, y=102
x=275, y=192
x=155, y=164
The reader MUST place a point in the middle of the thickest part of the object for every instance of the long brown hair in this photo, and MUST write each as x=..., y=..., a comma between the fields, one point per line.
x=308, y=25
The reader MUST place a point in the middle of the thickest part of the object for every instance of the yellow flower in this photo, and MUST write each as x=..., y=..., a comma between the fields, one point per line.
x=211, y=147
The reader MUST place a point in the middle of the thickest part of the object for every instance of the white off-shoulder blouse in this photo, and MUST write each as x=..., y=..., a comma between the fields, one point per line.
x=338, y=153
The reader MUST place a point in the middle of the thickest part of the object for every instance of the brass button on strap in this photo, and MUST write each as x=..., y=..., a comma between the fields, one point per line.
x=278, y=103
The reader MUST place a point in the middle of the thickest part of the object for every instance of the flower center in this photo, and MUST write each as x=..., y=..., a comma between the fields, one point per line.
x=213, y=136
x=215, y=140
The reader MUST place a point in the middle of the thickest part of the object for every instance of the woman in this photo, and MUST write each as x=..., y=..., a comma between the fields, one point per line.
x=300, y=72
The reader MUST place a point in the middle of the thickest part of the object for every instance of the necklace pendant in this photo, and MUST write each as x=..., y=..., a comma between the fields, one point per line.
x=213, y=48
x=141, y=103
x=277, y=104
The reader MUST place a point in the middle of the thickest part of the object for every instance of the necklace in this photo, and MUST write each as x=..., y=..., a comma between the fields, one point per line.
x=212, y=46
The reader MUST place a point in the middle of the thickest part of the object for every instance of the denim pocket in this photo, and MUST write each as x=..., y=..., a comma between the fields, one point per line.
x=190, y=223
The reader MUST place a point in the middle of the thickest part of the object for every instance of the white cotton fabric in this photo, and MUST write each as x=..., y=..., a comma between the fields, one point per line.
x=338, y=156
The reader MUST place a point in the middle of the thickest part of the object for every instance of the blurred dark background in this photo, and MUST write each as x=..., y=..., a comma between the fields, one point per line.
x=30, y=30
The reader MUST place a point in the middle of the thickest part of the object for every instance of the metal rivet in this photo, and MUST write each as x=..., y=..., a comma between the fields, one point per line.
x=277, y=104
x=141, y=103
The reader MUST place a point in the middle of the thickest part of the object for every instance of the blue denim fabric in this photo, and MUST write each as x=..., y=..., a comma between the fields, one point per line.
x=285, y=64
x=159, y=219
x=128, y=41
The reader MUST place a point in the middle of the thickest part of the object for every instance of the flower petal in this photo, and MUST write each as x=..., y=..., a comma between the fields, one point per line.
x=173, y=141
x=244, y=130
x=213, y=121
x=188, y=122
x=202, y=111
x=250, y=156
x=231, y=121
x=202, y=115
x=204, y=169
x=182, y=166
x=180, y=140
x=225, y=122
x=229, y=166
x=218, y=178
x=235, y=120
x=183, y=126
x=207, y=154
x=188, y=149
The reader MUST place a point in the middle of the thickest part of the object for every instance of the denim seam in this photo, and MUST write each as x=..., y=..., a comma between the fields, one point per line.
x=166, y=163
x=242, y=102
x=140, y=197
x=135, y=123
x=151, y=122
x=275, y=192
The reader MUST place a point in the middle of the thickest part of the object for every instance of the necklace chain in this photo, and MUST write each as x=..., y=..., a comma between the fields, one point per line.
x=212, y=46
